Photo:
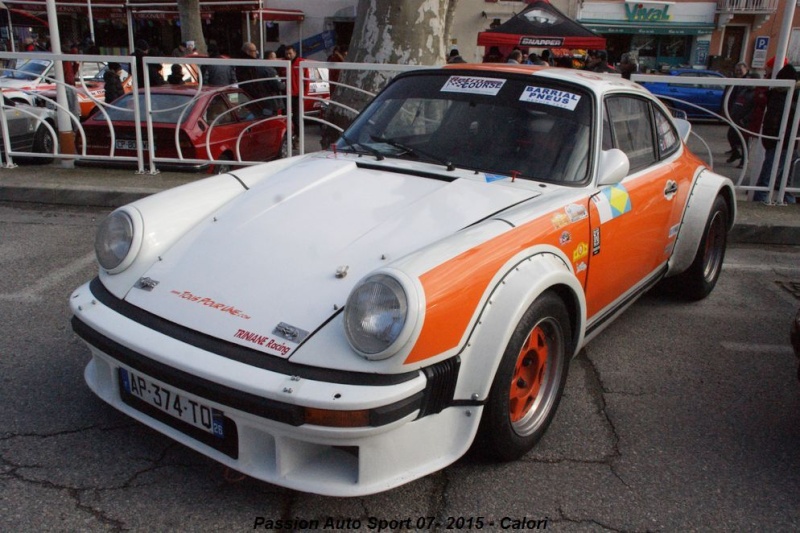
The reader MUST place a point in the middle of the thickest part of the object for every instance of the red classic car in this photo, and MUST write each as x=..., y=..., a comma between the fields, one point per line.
x=222, y=124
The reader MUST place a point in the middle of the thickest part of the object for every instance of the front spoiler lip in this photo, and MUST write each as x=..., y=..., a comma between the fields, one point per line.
x=291, y=414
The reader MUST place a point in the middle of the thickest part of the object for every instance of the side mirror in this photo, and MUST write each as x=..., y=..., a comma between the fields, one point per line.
x=613, y=167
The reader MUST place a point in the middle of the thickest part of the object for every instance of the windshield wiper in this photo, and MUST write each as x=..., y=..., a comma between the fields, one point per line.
x=414, y=151
x=355, y=146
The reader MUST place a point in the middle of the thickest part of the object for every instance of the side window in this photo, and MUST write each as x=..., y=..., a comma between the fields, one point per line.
x=246, y=108
x=632, y=130
x=217, y=110
x=668, y=140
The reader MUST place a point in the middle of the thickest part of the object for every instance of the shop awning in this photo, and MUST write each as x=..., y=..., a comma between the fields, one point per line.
x=541, y=25
x=280, y=15
x=650, y=29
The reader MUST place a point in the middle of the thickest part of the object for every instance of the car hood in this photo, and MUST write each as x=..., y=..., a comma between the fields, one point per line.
x=12, y=83
x=290, y=249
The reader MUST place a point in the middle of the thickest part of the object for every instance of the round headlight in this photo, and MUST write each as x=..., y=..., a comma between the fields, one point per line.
x=114, y=239
x=375, y=315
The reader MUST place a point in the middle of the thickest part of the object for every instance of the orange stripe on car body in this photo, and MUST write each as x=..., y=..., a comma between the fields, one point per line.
x=454, y=289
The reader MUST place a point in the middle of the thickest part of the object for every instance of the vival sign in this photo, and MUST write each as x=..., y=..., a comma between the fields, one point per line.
x=635, y=12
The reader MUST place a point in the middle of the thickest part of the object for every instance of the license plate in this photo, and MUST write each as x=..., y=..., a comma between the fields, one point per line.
x=128, y=144
x=174, y=402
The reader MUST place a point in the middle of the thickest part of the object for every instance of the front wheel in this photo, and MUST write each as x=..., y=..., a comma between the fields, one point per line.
x=529, y=381
x=699, y=279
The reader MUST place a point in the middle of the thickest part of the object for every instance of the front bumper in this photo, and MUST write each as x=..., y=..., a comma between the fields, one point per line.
x=414, y=426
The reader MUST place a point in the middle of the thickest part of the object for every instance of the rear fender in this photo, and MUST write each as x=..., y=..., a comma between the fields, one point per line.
x=531, y=274
x=707, y=186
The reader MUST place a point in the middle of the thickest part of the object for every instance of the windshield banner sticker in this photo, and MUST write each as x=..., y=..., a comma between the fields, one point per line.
x=473, y=84
x=553, y=97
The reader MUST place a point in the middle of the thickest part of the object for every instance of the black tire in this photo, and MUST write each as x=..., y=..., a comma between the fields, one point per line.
x=284, y=152
x=224, y=164
x=699, y=279
x=529, y=382
x=43, y=143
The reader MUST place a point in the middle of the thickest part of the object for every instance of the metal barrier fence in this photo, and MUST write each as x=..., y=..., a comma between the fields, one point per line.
x=786, y=162
x=65, y=122
x=64, y=125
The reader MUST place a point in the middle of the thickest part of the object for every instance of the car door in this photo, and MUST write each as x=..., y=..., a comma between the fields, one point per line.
x=260, y=138
x=705, y=95
x=630, y=219
x=21, y=126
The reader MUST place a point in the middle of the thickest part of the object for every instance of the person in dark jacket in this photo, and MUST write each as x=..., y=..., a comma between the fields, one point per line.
x=740, y=105
x=771, y=127
x=113, y=83
x=220, y=75
x=141, y=50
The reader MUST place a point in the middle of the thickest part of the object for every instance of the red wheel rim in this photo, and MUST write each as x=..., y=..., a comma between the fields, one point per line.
x=529, y=374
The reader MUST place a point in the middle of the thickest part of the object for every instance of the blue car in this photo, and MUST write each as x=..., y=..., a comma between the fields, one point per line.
x=703, y=95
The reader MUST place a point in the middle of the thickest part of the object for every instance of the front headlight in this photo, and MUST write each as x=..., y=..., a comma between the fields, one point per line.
x=375, y=316
x=115, y=241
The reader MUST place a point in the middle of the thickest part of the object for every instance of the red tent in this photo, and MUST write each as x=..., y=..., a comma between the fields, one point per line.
x=541, y=25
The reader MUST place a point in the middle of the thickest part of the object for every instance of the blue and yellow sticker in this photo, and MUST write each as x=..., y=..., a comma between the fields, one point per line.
x=612, y=202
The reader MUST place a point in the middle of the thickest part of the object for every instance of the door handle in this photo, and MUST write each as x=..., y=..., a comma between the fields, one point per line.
x=670, y=189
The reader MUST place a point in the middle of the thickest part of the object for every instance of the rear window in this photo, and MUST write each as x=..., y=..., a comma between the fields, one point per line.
x=167, y=108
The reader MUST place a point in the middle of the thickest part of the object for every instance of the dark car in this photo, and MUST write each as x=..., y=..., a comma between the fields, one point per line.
x=219, y=124
x=701, y=96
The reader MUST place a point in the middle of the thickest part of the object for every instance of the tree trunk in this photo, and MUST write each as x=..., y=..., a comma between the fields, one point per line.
x=412, y=32
x=192, y=24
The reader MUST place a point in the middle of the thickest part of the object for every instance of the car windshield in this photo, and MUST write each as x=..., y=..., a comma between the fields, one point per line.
x=28, y=70
x=167, y=108
x=531, y=127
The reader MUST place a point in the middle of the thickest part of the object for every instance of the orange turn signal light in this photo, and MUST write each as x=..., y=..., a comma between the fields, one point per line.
x=340, y=419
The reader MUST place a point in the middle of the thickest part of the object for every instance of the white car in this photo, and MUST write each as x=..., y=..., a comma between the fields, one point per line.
x=350, y=320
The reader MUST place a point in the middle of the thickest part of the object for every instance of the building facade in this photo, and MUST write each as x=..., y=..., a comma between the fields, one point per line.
x=660, y=34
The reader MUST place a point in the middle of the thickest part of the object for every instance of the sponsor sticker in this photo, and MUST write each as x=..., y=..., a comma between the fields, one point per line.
x=580, y=252
x=576, y=212
x=612, y=202
x=551, y=97
x=595, y=241
x=210, y=303
x=474, y=85
x=494, y=177
x=565, y=238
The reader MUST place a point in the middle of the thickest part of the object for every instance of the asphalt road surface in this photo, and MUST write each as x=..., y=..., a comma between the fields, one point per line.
x=678, y=417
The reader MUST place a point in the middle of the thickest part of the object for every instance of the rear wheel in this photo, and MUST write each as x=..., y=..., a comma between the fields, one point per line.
x=224, y=164
x=529, y=381
x=699, y=279
x=284, y=153
x=43, y=143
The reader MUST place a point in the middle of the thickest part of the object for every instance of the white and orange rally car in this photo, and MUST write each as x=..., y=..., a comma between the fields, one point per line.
x=350, y=320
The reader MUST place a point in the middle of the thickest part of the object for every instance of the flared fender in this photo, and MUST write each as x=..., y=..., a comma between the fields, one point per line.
x=530, y=274
x=707, y=186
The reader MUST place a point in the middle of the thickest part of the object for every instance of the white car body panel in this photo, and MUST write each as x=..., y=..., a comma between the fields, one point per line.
x=373, y=217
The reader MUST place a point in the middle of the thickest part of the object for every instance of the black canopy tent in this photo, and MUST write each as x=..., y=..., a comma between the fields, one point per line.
x=541, y=25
